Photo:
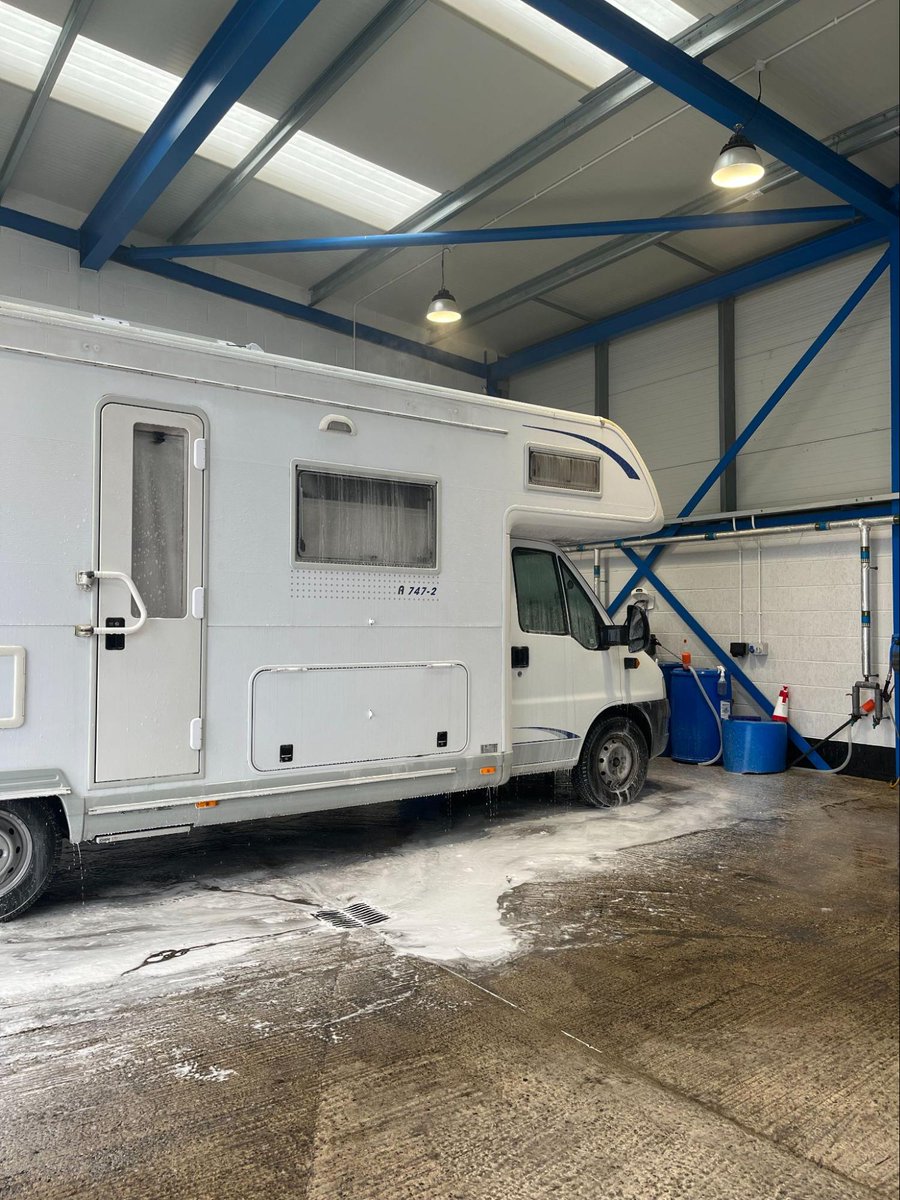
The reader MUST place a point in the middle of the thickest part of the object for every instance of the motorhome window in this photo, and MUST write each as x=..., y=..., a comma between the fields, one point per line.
x=158, y=501
x=538, y=593
x=584, y=620
x=570, y=472
x=365, y=520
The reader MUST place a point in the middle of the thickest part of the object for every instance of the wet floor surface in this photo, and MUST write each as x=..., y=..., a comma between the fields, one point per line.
x=692, y=997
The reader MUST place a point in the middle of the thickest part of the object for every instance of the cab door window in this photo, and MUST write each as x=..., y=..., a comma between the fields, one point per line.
x=539, y=595
x=584, y=620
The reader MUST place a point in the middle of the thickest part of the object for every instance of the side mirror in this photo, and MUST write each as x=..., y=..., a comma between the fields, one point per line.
x=637, y=629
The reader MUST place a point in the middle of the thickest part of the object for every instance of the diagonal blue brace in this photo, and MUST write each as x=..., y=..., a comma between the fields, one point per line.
x=509, y=233
x=605, y=26
x=758, y=697
x=249, y=37
x=750, y=429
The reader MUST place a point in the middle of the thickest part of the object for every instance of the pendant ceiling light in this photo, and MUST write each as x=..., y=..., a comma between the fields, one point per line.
x=443, y=309
x=738, y=164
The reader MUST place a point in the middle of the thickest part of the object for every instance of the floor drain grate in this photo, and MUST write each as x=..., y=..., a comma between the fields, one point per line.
x=354, y=916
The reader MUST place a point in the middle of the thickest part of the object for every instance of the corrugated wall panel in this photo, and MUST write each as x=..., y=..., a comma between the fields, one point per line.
x=829, y=438
x=663, y=391
x=567, y=383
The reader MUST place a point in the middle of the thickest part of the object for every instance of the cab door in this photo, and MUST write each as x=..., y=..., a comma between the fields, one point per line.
x=543, y=735
x=147, y=716
x=595, y=676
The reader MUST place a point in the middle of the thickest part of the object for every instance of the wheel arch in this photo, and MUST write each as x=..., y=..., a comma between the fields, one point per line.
x=635, y=714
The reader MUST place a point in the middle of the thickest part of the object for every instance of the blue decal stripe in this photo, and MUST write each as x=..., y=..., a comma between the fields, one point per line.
x=560, y=733
x=623, y=463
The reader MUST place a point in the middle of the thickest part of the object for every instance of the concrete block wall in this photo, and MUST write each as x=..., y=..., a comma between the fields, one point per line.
x=797, y=592
x=42, y=272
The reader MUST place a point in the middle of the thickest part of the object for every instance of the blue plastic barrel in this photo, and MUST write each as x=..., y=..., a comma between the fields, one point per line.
x=693, y=730
x=754, y=747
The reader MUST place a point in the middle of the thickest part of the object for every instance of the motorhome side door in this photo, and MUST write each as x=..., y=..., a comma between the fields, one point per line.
x=543, y=735
x=148, y=682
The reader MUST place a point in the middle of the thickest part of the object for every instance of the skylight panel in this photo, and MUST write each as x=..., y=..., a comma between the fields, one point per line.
x=102, y=81
x=337, y=179
x=545, y=39
x=25, y=46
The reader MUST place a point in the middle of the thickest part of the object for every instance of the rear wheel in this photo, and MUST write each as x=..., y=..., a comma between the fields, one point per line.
x=613, y=764
x=29, y=850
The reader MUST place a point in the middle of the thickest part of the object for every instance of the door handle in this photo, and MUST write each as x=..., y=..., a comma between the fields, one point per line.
x=85, y=580
x=519, y=657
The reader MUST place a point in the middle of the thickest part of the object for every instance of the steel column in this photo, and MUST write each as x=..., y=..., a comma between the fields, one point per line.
x=601, y=379
x=640, y=48
x=68, y=33
x=249, y=37
x=707, y=37
x=751, y=427
x=376, y=33
x=895, y=472
x=727, y=415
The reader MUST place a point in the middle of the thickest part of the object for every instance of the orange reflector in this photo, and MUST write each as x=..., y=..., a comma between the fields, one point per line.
x=489, y=770
x=206, y=804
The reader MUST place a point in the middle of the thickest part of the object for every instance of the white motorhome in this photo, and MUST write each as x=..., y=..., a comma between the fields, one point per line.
x=235, y=586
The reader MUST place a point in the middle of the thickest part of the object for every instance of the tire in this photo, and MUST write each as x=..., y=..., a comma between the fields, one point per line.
x=613, y=764
x=29, y=851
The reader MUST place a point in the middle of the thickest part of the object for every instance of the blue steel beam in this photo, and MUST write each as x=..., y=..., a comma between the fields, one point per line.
x=895, y=470
x=708, y=36
x=758, y=697
x=71, y=27
x=632, y=43
x=764, y=411
x=848, y=142
x=781, y=265
x=249, y=37
x=522, y=233
x=303, y=312
x=332, y=79
x=62, y=235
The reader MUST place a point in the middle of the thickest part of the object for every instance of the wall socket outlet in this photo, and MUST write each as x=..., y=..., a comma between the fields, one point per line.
x=758, y=647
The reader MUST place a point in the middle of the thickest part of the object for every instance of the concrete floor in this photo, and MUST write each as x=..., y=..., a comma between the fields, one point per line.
x=694, y=997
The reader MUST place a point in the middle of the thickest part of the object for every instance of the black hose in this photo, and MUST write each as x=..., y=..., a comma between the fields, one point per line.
x=821, y=742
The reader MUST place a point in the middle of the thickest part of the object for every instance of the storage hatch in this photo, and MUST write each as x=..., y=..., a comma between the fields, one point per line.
x=322, y=716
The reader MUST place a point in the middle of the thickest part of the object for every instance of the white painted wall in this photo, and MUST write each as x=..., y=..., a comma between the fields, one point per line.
x=807, y=610
x=663, y=389
x=566, y=383
x=830, y=435
x=35, y=270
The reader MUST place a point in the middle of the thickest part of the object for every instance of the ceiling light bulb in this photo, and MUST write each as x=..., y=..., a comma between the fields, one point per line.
x=738, y=164
x=443, y=309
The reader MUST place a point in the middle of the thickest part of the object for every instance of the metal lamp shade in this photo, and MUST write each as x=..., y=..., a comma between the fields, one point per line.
x=738, y=164
x=443, y=309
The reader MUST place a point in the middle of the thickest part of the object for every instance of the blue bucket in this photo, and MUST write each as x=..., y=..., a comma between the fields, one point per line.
x=754, y=747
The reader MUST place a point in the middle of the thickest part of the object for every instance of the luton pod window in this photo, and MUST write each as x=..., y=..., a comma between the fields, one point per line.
x=563, y=472
x=365, y=520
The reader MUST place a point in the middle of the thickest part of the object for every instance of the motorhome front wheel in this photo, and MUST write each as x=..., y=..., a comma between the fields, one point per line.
x=29, y=849
x=613, y=764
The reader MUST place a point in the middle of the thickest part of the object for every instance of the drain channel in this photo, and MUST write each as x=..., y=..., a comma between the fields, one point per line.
x=354, y=916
